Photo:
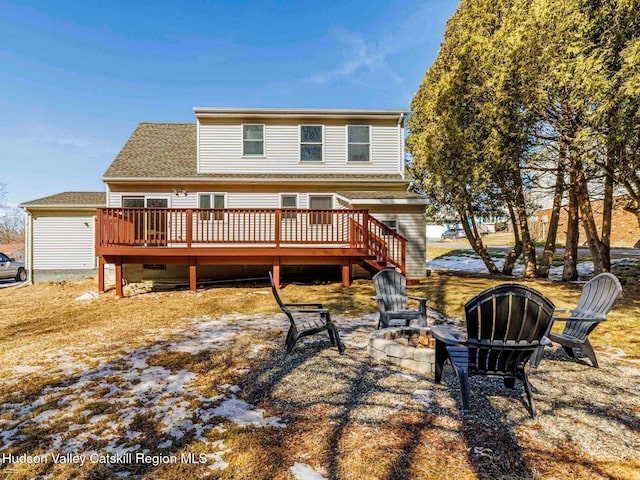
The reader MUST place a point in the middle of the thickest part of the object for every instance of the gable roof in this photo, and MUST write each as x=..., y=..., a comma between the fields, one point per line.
x=157, y=150
x=70, y=199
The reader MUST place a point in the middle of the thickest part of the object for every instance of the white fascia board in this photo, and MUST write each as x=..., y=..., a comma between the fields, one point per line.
x=61, y=207
x=205, y=112
x=223, y=179
x=389, y=201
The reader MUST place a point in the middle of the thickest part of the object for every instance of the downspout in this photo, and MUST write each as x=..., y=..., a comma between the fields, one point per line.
x=29, y=246
x=401, y=143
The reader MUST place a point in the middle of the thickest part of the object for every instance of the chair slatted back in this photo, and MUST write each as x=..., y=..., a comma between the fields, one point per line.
x=599, y=295
x=391, y=286
x=504, y=327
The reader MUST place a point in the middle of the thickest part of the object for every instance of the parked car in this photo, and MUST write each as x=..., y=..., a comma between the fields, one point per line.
x=453, y=233
x=10, y=268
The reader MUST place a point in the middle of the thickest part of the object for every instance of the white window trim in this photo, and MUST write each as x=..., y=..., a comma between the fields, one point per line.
x=297, y=195
x=333, y=199
x=145, y=196
x=264, y=142
x=211, y=194
x=307, y=143
x=357, y=162
x=383, y=220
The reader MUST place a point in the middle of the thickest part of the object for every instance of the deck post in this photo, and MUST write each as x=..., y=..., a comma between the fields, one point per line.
x=119, y=278
x=278, y=226
x=276, y=271
x=189, y=227
x=365, y=233
x=346, y=272
x=193, y=284
x=101, y=274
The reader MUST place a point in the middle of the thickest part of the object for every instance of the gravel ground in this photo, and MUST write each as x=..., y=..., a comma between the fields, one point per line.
x=586, y=415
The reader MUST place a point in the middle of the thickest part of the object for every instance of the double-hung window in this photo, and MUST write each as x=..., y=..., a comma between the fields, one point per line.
x=288, y=200
x=311, y=143
x=211, y=200
x=320, y=202
x=253, y=140
x=359, y=143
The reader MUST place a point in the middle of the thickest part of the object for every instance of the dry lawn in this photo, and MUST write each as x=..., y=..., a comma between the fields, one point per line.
x=83, y=369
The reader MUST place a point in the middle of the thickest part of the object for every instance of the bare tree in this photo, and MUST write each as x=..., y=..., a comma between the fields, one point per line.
x=11, y=220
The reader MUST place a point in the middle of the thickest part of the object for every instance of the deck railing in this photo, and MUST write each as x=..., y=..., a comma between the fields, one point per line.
x=220, y=227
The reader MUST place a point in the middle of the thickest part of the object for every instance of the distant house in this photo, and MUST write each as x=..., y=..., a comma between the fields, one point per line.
x=239, y=191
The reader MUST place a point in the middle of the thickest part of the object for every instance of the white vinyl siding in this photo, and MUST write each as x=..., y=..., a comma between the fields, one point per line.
x=411, y=224
x=64, y=242
x=220, y=149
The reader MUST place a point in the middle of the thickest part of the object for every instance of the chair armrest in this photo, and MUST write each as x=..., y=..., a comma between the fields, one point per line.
x=314, y=305
x=563, y=310
x=595, y=318
x=420, y=299
x=445, y=336
x=309, y=310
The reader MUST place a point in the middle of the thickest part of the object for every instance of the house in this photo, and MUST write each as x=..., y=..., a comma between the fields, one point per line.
x=240, y=191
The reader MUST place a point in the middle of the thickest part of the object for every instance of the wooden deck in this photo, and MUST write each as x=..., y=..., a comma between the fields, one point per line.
x=244, y=237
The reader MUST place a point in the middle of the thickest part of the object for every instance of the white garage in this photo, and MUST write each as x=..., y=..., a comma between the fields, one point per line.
x=60, y=235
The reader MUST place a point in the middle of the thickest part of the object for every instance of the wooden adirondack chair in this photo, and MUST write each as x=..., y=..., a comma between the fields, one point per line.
x=598, y=297
x=308, y=323
x=504, y=327
x=392, y=299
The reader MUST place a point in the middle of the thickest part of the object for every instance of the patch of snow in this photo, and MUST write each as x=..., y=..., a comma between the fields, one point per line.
x=473, y=263
x=26, y=369
x=165, y=444
x=87, y=296
x=245, y=414
x=302, y=471
x=360, y=345
x=425, y=397
x=407, y=376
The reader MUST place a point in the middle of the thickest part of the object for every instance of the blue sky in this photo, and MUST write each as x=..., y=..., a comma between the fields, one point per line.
x=77, y=77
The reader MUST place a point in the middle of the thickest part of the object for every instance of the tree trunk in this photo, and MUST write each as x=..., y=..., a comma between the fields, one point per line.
x=607, y=212
x=600, y=263
x=476, y=242
x=570, y=270
x=528, y=248
x=516, y=251
x=552, y=232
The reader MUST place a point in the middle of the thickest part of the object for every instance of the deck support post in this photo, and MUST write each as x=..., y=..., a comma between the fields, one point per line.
x=119, y=278
x=276, y=271
x=101, y=274
x=346, y=272
x=193, y=277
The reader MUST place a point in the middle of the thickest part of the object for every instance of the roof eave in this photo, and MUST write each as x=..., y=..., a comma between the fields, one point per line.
x=220, y=179
x=28, y=206
x=389, y=201
x=207, y=112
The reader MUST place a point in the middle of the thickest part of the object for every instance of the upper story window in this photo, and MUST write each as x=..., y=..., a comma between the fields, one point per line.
x=311, y=143
x=359, y=143
x=253, y=140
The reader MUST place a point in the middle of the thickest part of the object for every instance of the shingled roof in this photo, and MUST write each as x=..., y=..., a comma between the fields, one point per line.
x=157, y=151
x=381, y=194
x=65, y=199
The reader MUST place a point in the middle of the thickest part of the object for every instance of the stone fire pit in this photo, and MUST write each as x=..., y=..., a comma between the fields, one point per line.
x=406, y=347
